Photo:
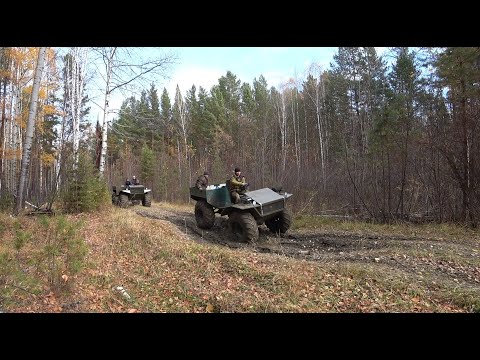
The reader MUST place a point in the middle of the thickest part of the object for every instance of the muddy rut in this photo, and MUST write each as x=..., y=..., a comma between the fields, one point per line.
x=443, y=260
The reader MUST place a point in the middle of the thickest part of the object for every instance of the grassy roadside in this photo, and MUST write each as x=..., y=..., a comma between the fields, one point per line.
x=428, y=231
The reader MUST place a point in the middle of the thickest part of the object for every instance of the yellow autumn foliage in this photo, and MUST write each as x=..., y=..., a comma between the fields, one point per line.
x=27, y=91
x=42, y=93
x=49, y=109
x=23, y=64
x=47, y=159
x=5, y=74
x=12, y=154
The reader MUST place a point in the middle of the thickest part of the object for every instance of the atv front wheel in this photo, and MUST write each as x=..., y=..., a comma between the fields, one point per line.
x=123, y=200
x=204, y=215
x=281, y=222
x=243, y=226
x=147, y=200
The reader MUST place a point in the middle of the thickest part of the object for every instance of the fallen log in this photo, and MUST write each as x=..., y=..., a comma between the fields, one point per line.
x=39, y=211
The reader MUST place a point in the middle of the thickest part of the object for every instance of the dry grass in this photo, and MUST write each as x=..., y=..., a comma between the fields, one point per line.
x=175, y=207
x=429, y=231
x=163, y=270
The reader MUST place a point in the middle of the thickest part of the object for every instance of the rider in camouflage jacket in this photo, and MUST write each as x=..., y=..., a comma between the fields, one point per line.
x=237, y=185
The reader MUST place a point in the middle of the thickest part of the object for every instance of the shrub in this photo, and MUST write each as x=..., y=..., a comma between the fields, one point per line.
x=85, y=191
x=7, y=202
x=64, y=251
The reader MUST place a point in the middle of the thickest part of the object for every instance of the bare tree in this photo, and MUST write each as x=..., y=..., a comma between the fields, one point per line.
x=181, y=118
x=4, y=65
x=27, y=145
x=123, y=68
x=281, y=114
x=75, y=67
x=316, y=95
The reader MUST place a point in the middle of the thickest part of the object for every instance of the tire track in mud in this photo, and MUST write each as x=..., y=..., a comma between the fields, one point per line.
x=185, y=222
x=398, y=253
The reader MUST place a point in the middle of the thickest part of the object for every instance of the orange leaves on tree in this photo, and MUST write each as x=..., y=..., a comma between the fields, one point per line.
x=42, y=93
x=12, y=154
x=47, y=159
x=49, y=109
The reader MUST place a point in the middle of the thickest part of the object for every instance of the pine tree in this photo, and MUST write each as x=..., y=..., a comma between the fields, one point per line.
x=156, y=130
x=458, y=70
x=166, y=115
x=147, y=165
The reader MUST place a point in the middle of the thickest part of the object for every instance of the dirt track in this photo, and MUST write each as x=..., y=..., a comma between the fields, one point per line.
x=438, y=260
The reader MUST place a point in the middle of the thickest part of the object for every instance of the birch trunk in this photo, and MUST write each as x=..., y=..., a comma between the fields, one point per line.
x=2, y=133
x=27, y=147
x=80, y=60
x=103, y=154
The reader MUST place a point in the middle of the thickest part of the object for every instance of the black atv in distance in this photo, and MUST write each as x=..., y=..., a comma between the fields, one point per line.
x=131, y=194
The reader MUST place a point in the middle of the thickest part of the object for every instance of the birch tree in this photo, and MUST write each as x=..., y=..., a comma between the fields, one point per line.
x=281, y=114
x=27, y=145
x=76, y=61
x=4, y=72
x=314, y=91
x=123, y=69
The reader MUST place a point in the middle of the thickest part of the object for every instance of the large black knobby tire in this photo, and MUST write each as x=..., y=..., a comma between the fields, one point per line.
x=281, y=222
x=123, y=200
x=204, y=215
x=243, y=226
x=114, y=199
x=147, y=199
